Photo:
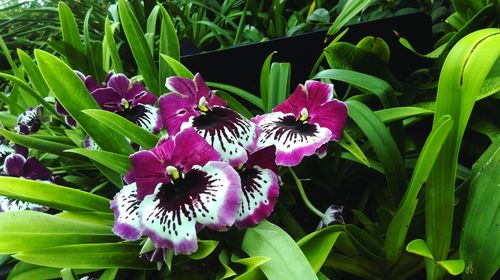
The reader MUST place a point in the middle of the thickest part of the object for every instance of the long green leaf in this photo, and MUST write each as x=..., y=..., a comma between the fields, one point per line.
x=169, y=44
x=398, y=228
x=26, y=271
x=87, y=256
x=71, y=38
x=264, y=79
x=351, y=8
x=139, y=46
x=177, y=67
x=279, y=84
x=318, y=245
x=239, y=92
x=112, y=47
x=352, y=147
x=383, y=144
x=51, y=195
x=126, y=128
x=270, y=241
x=33, y=73
x=74, y=96
x=462, y=76
x=116, y=162
x=30, y=230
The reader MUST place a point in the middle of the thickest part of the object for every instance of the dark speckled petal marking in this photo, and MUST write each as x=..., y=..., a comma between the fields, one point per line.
x=125, y=207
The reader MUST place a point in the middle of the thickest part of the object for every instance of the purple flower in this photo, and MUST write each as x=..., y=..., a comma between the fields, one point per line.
x=260, y=186
x=17, y=165
x=131, y=100
x=302, y=124
x=192, y=104
x=29, y=121
x=180, y=186
x=6, y=149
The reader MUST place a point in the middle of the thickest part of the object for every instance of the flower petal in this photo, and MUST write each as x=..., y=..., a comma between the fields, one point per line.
x=29, y=121
x=148, y=171
x=126, y=209
x=120, y=84
x=260, y=191
x=191, y=149
x=14, y=165
x=227, y=131
x=175, y=109
x=293, y=139
x=89, y=143
x=139, y=95
x=5, y=151
x=208, y=195
x=35, y=170
x=264, y=158
x=108, y=99
x=145, y=116
x=10, y=204
x=333, y=215
x=308, y=96
x=332, y=115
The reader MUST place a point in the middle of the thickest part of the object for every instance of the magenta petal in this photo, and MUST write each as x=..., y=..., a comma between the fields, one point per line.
x=204, y=90
x=332, y=115
x=309, y=96
x=108, y=99
x=183, y=86
x=125, y=207
x=176, y=109
x=148, y=171
x=120, y=84
x=139, y=95
x=14, y=165
x=318, y=92
x=260, y=192
x=35, y=170
x=322, y=151
x=264, y=158
x=192, y=149
x=91, y=83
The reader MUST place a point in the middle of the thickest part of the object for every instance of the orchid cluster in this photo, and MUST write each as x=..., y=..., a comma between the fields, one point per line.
x=216, y=168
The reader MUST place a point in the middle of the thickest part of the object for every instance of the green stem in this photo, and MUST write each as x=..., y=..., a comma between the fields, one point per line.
x=304, y=196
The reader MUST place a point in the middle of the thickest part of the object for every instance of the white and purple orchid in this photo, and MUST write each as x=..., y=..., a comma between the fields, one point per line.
x=303, y=124
x=16, y=165
x=179, y=186
x=29, y=121
x=192, y=104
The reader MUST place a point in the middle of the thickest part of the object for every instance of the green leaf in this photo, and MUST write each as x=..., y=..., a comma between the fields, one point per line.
x=67, y=274
x=454, y=267
x=71, y=37
x=279, y=84
x=350, y=9
x=30, y=230
x=53, y=196
x=40, y=144
x=264, y=79
x=228, y=271
x=462, y=76
x=419, y=247
x=124, y=127
x=100, y=218
x=352, y=147
x=111, y=45
x=398, y=228
x=33, y=73
x=205, y=248
x=177, y=67
x=139, y=46
x=480, y=227
x=88, y=256
x=318, y=245
x=268, y=240
x=240, y=93
x=109, y=274
x=235, y=104
x=74, y=96
x=252, y=267
x=169, y=44
x=116, y=162
x=369, y=245
x=26, y=271
x=383, y=144
x=398, y=113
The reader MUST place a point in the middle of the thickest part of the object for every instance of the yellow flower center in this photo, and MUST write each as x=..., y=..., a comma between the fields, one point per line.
x=173, y=172
x=304, y=115
x=202, y=104
x=125, y=103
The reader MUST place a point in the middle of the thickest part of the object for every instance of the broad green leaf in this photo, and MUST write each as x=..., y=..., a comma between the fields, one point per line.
x=169, y=45
x=26, y=271
x=462, y=76
x=352, y=147
x=264, y=79
x=480, y=227
x=177, y=67
x=30, y=230
x=252, y=267
x=454, y=267
x=369, y=245
x=139, y=46
x=205, y=248
x=366, y=83
x=100, y=218
x=71, y=37
x=115, y=162
x=88, y=256
x=383, y=144
x=40, y=144
x=113, y=176
x=112, y=47
x=53, y=196
x=239, y=92
x=268, y=240
x=419, y=247
x=398, y=228
x=74, y=96
x=318, y=245
x=279, y=84
x=351, y=9
x=235, y=104
x=125, y=127
x=33, y=73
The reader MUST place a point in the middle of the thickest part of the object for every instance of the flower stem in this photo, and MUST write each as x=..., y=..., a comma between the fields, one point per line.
x=304, y=196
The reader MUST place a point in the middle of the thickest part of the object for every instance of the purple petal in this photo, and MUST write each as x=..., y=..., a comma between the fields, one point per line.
x=5, y=151
x=108, y=99
x=191, y=149
x=61, y=111
x=35, y=170
x=14, y=165
x=89, y=143
x=332, y=115
x=145, y=116
x=204, y=90
x=264, y=158
x=120, y=84
x=293, y=139
x=322, y=151
x=309, y=96
x=175, y=109
x=139, y=95
x=194, y=89
x=208, y=195
x=227, y=131
x=91, y=83
x=125, y=207
x=148, y=171
x=30, y=120
x=260, y=191
x=21, y=150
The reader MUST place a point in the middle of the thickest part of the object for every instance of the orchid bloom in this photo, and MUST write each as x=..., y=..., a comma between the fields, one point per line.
x=17, y=165
x=332, y=216
x=179, y=186
x=303, y=124
x=131, y=100
x=260, y=186
x=192, y=104
x=29, y=121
